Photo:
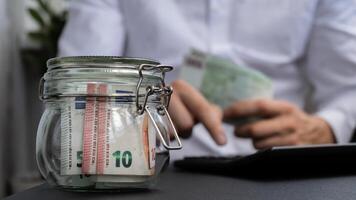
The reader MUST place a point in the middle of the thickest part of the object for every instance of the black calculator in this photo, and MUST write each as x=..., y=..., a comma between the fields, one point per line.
x=280, y=161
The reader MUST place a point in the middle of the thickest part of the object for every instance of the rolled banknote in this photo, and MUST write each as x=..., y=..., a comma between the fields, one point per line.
x=223, y=82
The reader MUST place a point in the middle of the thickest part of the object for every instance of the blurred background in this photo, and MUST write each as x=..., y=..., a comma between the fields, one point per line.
x=29, y=30
x=29, y=33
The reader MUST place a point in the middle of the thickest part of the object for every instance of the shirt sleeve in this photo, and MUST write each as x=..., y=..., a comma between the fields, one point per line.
x=93, y=28
x=331, y=65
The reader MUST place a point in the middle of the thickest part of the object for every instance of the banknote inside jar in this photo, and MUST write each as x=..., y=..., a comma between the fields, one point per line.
x=103, y=138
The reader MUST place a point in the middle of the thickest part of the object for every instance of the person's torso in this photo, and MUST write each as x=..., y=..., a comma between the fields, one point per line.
x=270, y=36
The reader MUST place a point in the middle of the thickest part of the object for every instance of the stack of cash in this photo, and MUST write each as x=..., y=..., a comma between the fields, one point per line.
x=104, y=137
x=222, y=81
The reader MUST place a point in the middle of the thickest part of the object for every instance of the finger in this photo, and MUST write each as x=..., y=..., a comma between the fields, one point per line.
x=266, y=128
x=182, y=119
x=278, y=140
x=261, y=107
x=202, y=110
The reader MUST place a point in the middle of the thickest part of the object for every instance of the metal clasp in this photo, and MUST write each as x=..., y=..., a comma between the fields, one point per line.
x=165, y=92
x=161, y=110
x=149, y=89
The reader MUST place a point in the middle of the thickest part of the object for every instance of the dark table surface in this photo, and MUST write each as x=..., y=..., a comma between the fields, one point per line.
x=184, y=185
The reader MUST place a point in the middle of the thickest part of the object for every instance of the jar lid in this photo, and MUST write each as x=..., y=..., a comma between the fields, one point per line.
x=69, y=76
x=102, y=61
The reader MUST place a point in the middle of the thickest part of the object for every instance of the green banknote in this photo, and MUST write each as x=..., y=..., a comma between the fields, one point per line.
x=222, y=81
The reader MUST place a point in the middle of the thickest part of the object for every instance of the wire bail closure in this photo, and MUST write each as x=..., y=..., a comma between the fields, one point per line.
x=165, y=92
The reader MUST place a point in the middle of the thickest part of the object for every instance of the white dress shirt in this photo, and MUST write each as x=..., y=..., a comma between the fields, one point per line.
x=297, y=43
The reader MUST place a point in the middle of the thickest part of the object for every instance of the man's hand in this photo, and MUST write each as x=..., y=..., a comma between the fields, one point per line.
x=188, y=107
x=283, y=124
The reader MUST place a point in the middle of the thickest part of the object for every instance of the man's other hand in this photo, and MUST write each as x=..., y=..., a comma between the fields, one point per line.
x=283, y=124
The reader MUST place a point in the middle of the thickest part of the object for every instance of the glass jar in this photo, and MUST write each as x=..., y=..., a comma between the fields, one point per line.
x=105, y=124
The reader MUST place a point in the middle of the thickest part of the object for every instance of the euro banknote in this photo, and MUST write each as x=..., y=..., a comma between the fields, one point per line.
x=223, y=82
x=101, y=137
